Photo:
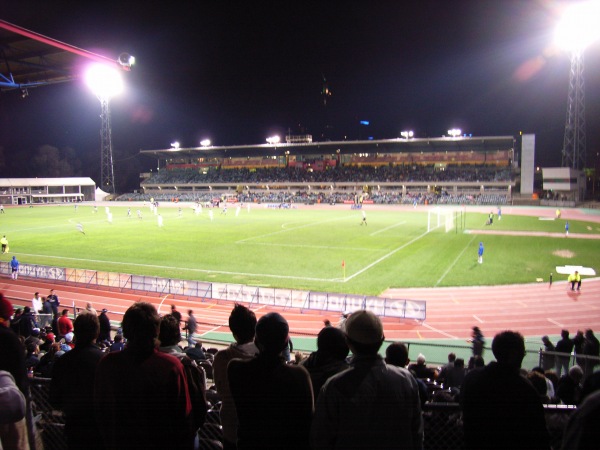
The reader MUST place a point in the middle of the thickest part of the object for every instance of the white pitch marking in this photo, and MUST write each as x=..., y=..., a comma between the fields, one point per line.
x=388, y=228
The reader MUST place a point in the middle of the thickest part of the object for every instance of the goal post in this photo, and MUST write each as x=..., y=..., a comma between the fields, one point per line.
x=441, y=218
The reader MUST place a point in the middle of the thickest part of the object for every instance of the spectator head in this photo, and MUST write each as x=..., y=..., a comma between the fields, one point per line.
x=242, y=323
x=396, y=354
x=140, y=325
x=332, y=343
x=564, y=334
x=364, y=332
x=539, y=382
x=546, y=340
x=6, y=310
x=173, y=307
x=50, y=337
x=118, y=338
x=69, y=337
x=31, y=348
x=190, y=312
x=589, y=334
x=576, y=373
x=170, y=333
x=86, y=328
x=272, y=333
x=104, y=311
x=65, y=312
x=459, y=363
x=421, y=359
x=451, y=357
x=509, y=349
x=26, y=310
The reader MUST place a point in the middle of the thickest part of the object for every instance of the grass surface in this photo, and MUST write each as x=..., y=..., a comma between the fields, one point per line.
x=295, y=248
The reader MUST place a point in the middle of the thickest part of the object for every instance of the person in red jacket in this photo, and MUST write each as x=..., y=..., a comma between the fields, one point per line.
x=65, y=325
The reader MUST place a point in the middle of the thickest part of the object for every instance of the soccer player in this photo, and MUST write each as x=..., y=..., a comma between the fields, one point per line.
x=567, y=228
x=364, y=219
x=80, y=228
x=139, y=214
x=480, y=253
x=129, y=213
x=160, y=221
x=224, y=211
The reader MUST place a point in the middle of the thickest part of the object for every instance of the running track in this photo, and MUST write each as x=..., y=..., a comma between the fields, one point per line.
x=532, y=309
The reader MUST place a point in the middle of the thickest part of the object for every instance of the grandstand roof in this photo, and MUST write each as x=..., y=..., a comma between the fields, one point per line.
x=67, y=181
x=484, y=143
x=29, y=59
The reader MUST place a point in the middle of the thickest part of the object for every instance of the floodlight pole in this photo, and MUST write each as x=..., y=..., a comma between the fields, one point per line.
x=107, y=173
x=574, y=145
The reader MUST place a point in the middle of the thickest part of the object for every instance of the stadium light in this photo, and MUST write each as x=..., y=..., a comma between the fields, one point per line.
x=205, y=142
x=175, y=145
x=579, y=26
x=273, y=140
x=105, y=82
x=454, y=132
x=407, y=134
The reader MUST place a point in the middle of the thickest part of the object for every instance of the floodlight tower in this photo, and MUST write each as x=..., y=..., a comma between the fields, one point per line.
x=105, y=82
x=577, y=29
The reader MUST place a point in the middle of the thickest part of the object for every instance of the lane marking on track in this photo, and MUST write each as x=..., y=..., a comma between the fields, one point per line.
x=443, y=333
x=477, y=319
x=161, y=303
x=555, y=323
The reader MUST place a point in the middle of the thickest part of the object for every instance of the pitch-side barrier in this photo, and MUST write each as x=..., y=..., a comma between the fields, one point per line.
x=283, y=298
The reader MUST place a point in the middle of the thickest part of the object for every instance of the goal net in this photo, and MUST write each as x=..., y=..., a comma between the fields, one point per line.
x=441, y=218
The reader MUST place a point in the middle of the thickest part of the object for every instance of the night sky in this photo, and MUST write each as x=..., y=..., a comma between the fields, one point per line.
x=237, y=72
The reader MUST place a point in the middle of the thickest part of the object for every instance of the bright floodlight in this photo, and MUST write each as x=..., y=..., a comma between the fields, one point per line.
x=273, y=140
x=104, y=81
x=205, y=142
x=579, y=26
x=407, y=134
x=454, y=132
x=175, y=145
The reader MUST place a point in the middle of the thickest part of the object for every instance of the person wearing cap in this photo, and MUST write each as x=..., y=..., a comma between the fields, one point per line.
x=273, y=400
x=72, y=385
x=12, y=353
x=372, y=405
x=104, y=335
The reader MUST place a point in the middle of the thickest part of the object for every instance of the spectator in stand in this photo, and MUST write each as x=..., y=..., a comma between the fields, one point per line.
x=548, y=359
x=196, y=352
x=27, y=323
x=104, y=335
x=582, y=431
x=31, y=357
x=46, y=366
x=169, y=337
x=90, y=309
x=501, y=409
x=448, y=366
x=269, y=395
x=13, y=429
x=140, y=395
x=455, y=376
x=550, y=391
x=242, y=323
x=12, y=353
x=564, y=345
x=329, y=359
x=396, y=354
x=48, y=340
x=65, y=325
x=591, y=348
x=363, y=406
x=118, y=345
x=569, y=386
x=72, y=386
x=420, y=369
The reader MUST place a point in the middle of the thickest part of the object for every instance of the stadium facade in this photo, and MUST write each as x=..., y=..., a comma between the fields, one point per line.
x=455, y=166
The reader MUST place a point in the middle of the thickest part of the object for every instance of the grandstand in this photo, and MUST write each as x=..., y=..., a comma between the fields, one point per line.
x=438, y=170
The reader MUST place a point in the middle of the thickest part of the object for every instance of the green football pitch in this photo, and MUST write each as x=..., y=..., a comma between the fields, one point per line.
x=324, y=249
